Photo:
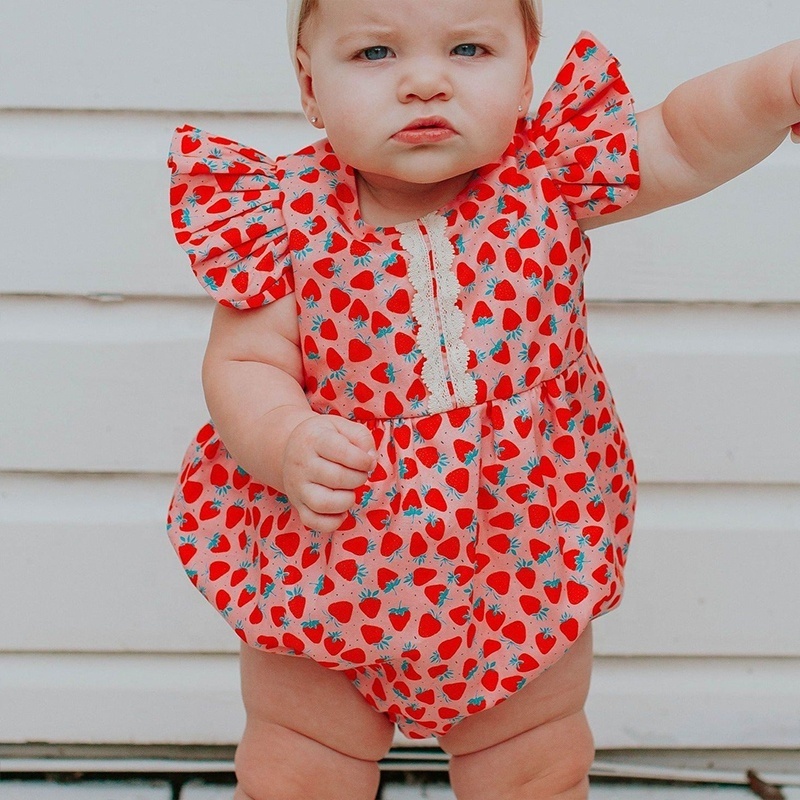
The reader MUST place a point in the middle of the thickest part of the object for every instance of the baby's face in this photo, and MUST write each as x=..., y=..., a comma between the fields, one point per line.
x=370, y=68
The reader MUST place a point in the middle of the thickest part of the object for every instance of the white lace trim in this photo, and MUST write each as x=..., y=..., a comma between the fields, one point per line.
x=423, y=307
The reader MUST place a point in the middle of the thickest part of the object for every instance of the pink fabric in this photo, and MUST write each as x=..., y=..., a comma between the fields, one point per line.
x=492, y=530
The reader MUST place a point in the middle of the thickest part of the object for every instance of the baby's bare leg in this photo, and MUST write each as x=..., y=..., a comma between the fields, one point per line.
x=310, y=734
x=535, y=745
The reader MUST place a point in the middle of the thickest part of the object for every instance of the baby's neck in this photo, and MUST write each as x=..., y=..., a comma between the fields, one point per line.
x=382, y=203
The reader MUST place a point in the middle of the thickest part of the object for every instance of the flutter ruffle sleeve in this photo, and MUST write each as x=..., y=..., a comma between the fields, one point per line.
x=226, y=205
x=585, y=131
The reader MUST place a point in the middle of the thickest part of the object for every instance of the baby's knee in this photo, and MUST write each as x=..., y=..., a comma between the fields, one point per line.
x=262, y=764
x=550, y=760
x=273, y=762
x=571, y=749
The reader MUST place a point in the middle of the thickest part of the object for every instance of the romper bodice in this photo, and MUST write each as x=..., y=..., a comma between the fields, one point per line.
x=479, y=300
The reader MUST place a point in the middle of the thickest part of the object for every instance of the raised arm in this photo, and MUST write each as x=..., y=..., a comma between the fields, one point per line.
x=712, y=128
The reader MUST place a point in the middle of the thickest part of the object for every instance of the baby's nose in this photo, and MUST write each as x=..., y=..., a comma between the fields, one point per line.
x=425, y=79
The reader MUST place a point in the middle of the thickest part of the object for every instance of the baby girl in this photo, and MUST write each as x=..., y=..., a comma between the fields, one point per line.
x=415, y=493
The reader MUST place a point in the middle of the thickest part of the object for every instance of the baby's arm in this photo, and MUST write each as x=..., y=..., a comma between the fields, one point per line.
x=253, y=383
x=712, y=128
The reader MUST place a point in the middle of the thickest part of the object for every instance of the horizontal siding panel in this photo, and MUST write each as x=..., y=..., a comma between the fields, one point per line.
x=711, y=572
x=94, y=569
x=598, y=791
x=115, y=237
x=127, y=698
x=210, y=54
x=147, y=699
x=91, y=54
x=687, y=703
x=614, y=790
x=88, y=790
x=706, y=393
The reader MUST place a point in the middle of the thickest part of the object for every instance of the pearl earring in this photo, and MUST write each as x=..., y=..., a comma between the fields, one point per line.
x=519, y=108
x=313, y=120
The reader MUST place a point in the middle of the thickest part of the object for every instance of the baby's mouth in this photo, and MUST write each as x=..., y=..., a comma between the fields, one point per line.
x=428, y=123
x=425, y=131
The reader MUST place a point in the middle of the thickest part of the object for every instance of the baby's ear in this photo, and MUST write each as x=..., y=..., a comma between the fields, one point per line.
x=301, y=54
x=527, y=90
x=533, y=49
x=306, y=82
x=302, y=66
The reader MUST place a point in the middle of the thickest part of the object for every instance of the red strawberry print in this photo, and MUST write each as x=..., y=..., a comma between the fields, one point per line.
x=532, y=606
x=500, y=228
x=489, y=679
x=525, y=574
x=192, y=490
x=516, y=632
x=552, y=589
x=234, y=515
x=576, y=592
x=504, y=492
x=297, y=605
x=503, y=290
x=303, y=204
x=545, y=641
x=399, y=617
x=429, y=625
x=495, y=617
x=569, y=627
x=187, y=549
x=189, y=143
x=359, y=350
x=370, y=603
x=219, y=543
x=298, y=241
x=525, y=663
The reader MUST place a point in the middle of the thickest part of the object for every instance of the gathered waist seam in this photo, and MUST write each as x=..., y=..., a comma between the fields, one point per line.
x=488, y=401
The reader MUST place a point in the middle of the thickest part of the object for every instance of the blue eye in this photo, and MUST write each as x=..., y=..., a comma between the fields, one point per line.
x=471, y=48
x=375, y=53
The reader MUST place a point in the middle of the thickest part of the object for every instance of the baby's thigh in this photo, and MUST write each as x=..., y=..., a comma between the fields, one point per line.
x=322, y=704
x=557, y=693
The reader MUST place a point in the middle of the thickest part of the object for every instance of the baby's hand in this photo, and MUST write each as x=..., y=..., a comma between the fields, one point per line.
x=326, y=458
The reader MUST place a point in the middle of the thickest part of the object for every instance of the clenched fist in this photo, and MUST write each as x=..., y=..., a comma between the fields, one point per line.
x=326, y=458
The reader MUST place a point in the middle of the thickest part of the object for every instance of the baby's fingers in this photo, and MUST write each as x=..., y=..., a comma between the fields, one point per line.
x=354, y=448
x=335, y=476
x=324, y=523
x=323, y=500
x=323, y=509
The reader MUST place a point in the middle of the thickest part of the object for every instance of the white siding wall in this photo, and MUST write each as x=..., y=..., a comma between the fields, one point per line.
x=695, y=314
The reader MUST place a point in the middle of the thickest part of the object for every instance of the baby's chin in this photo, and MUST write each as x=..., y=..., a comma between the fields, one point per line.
x=415, y=180
x=417, y=172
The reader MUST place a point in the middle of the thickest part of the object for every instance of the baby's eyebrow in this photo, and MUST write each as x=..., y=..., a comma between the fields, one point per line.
x=373, y=31
x=481, y=30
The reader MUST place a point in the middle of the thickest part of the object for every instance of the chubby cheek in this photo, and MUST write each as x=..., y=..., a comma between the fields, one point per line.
x=349, y=138
x=351, y=115
x=497, y=120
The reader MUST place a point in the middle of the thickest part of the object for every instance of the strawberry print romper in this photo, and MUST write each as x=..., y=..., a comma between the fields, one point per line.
x=497, y=521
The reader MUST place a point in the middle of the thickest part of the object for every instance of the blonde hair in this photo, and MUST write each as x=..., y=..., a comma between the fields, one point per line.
x=529, y=8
